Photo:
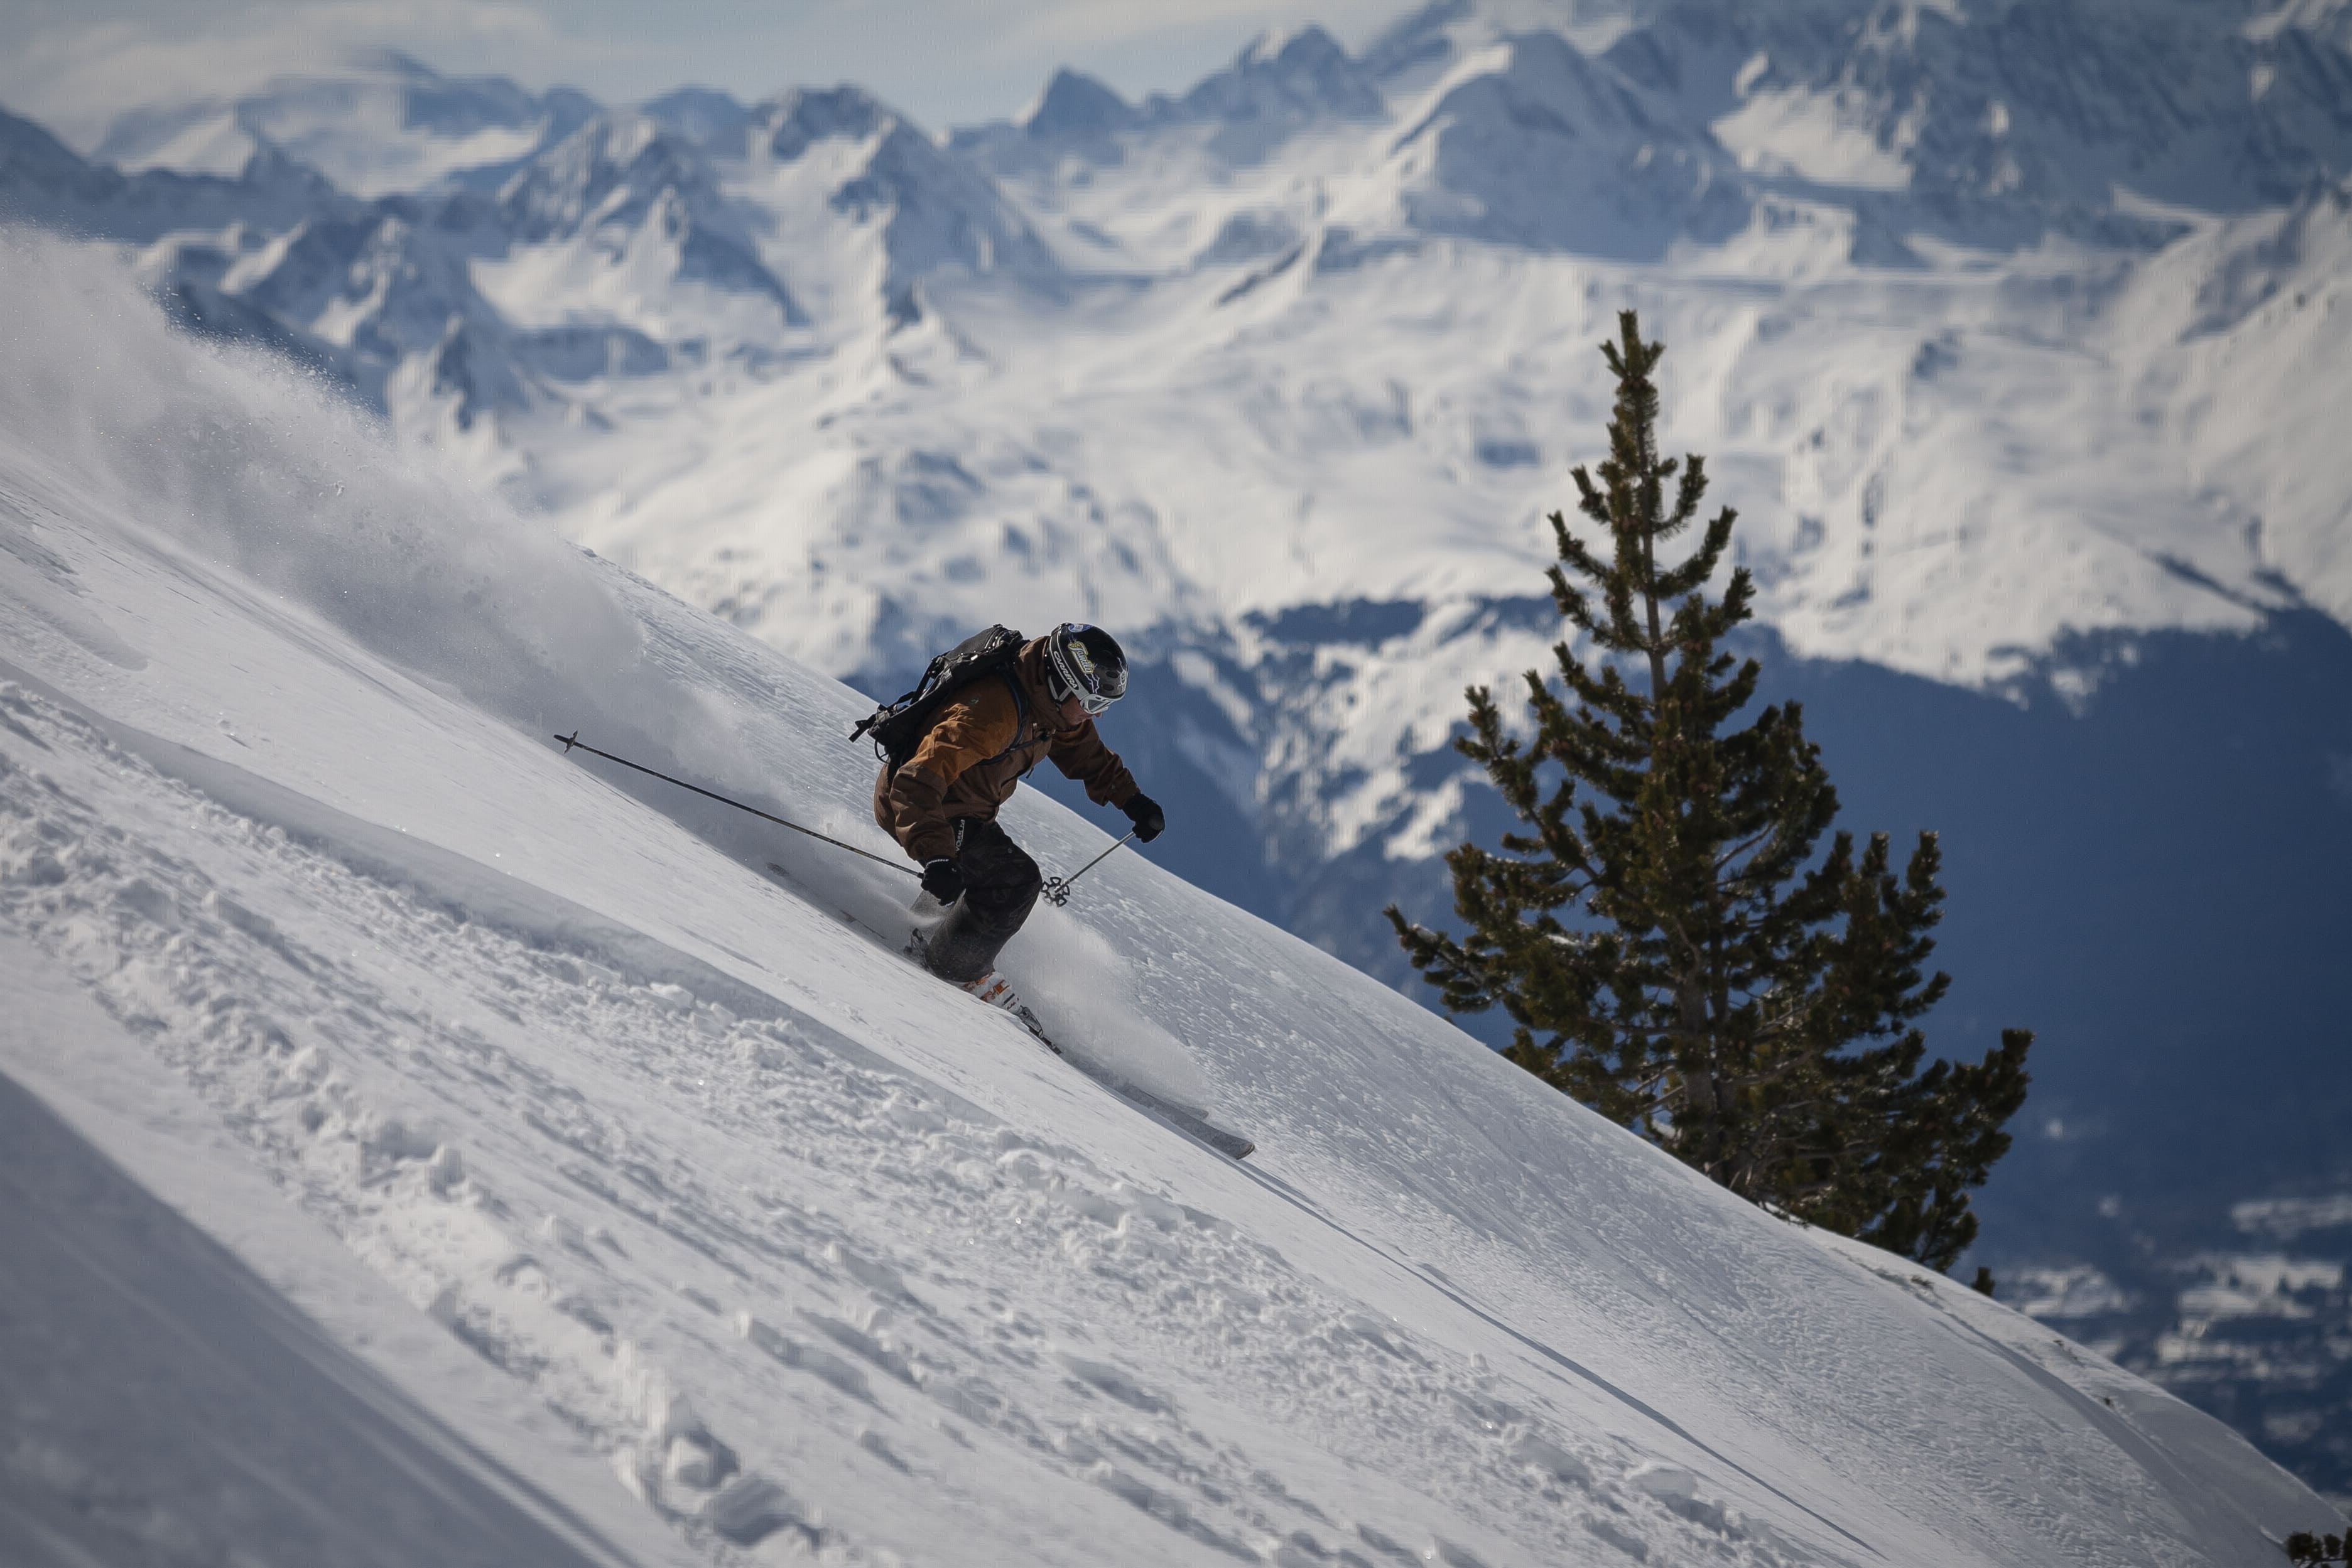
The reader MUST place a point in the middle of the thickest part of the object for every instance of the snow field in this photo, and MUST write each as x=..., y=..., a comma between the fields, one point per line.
x=817, y=1257
x=428, y=1136
x=167, y=1406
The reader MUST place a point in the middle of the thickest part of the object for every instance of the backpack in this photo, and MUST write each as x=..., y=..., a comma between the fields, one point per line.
x=899, y=727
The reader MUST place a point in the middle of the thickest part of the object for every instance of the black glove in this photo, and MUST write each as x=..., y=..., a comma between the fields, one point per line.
x=942, y=880
x=1145, y=813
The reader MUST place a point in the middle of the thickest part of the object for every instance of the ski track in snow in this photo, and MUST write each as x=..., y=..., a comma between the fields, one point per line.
x=502, y=1198
x=822, y=1258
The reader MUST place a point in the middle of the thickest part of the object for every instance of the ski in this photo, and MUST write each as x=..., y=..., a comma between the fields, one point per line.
x=1230, y=1145
x=1000, y=995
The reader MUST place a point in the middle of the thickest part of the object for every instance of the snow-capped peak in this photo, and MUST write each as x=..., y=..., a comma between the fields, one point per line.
x=1302, y=75
x=376, y=122
x=608, y=171
x=793, y=121
x=877, y=168
x=703, y=115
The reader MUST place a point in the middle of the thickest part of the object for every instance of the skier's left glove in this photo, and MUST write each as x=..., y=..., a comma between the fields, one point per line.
x=1145, y=813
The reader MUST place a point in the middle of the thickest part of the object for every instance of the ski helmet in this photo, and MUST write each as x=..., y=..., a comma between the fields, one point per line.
x=1084, y=662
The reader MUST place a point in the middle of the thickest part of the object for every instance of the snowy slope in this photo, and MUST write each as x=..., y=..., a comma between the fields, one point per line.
x=2023, y=373
x=756, y=1240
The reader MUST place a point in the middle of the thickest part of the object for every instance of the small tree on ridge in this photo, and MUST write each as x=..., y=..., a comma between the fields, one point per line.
x=1660, y=930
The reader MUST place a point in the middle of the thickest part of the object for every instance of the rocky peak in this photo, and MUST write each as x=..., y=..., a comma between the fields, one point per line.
x=1303, y=75
x=798, y=119
x=1077, y=105
x=613, y=169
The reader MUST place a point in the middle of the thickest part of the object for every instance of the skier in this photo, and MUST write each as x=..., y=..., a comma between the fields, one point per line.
x=940, y=803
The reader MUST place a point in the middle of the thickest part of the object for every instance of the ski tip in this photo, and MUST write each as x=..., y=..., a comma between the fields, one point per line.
x=1233, y=1145
x=568, y=741
x=1225, y=1141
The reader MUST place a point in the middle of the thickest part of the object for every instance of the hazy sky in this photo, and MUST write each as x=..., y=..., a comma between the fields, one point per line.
x=72, y=64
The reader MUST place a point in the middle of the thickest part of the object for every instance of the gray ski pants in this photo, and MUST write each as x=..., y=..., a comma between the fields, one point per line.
x=999, y=888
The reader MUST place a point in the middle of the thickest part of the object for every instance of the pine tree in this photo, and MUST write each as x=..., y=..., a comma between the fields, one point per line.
x=1661, y=931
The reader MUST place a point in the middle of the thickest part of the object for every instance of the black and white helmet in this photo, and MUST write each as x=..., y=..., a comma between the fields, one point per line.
x=1084, y=662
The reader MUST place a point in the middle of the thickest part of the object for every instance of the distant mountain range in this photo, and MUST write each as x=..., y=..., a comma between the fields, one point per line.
x=2019, y=333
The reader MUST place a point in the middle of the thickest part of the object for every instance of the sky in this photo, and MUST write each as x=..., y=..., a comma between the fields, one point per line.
x=74, y=64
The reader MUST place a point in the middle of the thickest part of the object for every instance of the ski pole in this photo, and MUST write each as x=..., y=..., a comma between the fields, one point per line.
x=1057, y=888
x=574, y=739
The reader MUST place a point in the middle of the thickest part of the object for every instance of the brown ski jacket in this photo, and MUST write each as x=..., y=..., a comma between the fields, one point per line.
x=976, y=752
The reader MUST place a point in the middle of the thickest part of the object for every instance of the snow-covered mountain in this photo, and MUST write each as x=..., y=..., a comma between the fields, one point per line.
x=424, y=1146
x=2016, y=332
x=377, y=123
x=1972, y=121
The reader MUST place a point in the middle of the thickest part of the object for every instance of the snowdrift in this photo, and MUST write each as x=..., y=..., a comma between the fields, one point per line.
x=632, y=1206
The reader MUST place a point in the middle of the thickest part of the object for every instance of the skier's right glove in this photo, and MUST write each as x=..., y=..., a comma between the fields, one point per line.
x=1144, y=812
x=942, y=880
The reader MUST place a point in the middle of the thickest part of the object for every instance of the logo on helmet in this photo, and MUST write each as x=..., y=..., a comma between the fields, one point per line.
x=1086, y=663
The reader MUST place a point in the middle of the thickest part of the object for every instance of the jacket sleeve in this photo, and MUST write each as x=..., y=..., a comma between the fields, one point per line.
x=1080, y=754
x=972, y=728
